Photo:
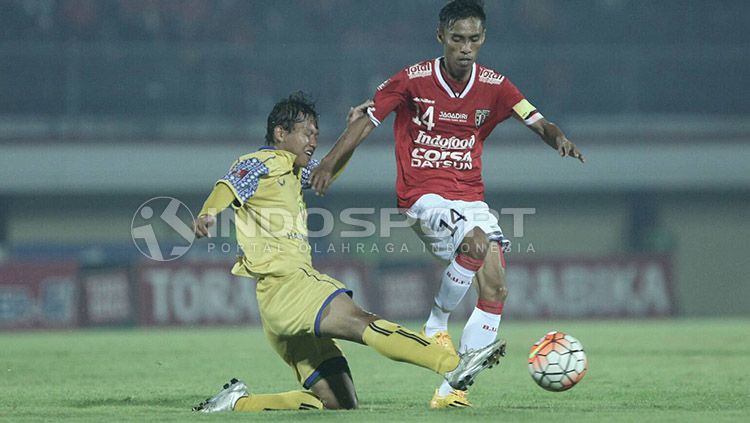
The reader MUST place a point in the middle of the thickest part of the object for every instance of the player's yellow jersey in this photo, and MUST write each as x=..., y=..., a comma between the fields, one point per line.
x=270, y=213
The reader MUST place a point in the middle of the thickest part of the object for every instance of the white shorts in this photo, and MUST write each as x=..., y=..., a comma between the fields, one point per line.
x=442, y=224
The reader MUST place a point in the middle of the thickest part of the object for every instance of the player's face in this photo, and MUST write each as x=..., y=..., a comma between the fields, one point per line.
x=461, y=44
x=301, y=140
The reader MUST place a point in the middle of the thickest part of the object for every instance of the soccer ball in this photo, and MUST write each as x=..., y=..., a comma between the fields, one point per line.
x=557, y=362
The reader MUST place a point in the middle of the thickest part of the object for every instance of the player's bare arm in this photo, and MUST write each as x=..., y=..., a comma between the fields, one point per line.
x=357, y=129
x=555, y=138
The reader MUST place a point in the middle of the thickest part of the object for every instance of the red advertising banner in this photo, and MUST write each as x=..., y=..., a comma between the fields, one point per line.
x=602, y=287
x=183, y=293
x=38, y=295
x=59, y=295
x=107, y=295
x=540, y=288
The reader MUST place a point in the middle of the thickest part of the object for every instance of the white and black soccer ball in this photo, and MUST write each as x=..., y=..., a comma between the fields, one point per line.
x=557, y=362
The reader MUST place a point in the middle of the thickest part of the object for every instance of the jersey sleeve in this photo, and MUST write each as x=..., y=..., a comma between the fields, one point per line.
x=512, y=101
x=243, y=178
x=390, y=95
x=307, y=173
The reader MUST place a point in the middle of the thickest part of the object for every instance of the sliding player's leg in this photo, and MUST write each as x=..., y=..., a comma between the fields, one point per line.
x=319, y=366
x=342, y=318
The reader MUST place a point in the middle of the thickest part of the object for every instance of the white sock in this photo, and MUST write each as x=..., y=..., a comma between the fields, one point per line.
x=480, y=331
x=455, y=283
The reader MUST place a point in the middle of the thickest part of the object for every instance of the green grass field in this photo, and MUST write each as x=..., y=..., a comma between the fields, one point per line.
x=668, y=370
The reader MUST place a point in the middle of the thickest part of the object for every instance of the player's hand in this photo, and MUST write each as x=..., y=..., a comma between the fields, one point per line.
x=358, y=111
x=568, y=149
x=201, y=225
x=321, y=177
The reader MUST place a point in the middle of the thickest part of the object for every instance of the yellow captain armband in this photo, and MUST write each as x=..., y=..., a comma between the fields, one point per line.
x=527, y=112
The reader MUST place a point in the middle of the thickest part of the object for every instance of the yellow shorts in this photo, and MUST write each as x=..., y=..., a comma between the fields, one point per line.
x=290, y=309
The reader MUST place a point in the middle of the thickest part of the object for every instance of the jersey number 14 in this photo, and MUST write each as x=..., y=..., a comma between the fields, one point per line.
x=428, y=118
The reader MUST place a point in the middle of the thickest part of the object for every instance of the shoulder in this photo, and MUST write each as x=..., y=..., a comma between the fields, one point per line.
x=406, y=76
x=423, y=69
x=489, y=76
x=267, y=161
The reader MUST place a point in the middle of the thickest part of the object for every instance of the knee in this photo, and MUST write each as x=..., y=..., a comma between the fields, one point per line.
x=475, y=244
x=344, y=402
x=493, y=293
x=493, y=287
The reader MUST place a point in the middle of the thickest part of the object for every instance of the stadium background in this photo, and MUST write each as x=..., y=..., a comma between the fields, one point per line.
x=107, y=104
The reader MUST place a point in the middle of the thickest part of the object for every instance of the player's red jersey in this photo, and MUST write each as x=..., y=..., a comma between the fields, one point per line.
x=440, y=132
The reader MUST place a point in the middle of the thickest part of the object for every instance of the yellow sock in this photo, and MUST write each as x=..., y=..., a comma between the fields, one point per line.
x=293, y=400
x=401, y=344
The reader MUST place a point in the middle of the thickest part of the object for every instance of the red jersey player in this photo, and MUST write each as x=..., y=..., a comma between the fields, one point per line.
x=445, y=109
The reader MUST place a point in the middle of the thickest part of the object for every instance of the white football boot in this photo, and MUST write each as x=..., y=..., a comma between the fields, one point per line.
x=474, y=361
x=225, y=399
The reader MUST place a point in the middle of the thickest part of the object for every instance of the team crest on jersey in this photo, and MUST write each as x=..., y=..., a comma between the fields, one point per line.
x=480, y=116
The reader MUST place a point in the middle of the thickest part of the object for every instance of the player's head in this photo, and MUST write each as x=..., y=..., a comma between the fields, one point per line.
x=293, y=126
x=461, y=31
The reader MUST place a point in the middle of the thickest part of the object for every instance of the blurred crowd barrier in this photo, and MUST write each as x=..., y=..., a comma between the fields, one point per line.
x=134, y=69
x=67, y=295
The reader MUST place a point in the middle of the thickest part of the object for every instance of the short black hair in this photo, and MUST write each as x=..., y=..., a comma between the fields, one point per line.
x=289, y=111
x=461, y=9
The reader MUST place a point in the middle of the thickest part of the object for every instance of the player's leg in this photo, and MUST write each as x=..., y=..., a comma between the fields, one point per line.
x=450, y=230
x=342, y=318
x=336, y=391
x=311, y=358
x=455, y=282
x=236, y=396
x=482, y=327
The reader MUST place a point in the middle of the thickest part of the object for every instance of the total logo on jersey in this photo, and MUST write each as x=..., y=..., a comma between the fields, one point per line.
x=419, y=70
x=487, y=76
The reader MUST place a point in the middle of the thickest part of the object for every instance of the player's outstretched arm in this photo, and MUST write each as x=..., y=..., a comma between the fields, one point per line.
x=218, y=200
x=357, y=129
x=555, y=138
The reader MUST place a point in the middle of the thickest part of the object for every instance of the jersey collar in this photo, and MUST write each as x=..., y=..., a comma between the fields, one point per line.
x=447, y=88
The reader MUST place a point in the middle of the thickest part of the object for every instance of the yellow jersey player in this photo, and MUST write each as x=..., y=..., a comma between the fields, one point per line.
x=302, y=310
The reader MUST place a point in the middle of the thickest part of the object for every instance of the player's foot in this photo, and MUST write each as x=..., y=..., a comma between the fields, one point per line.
x=441, y=338
x=474, y=361
x=455, y=399
x=225, y=399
